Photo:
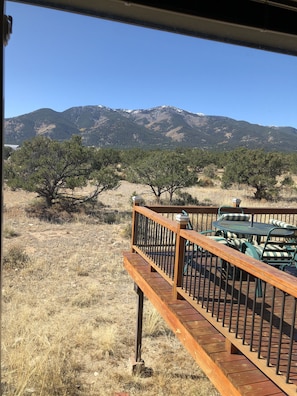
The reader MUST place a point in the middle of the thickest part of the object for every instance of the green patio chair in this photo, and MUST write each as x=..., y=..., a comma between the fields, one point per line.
x=234, y=240
x=229, y=209
x=279, y=252
x=216, y=236
x=213, y=234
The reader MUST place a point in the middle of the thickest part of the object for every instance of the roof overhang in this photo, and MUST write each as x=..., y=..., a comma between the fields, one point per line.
x=262, y=24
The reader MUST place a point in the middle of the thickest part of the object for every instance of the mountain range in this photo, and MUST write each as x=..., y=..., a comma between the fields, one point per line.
x=158, y=127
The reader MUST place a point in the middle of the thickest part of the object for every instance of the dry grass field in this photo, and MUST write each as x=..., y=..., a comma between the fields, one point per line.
x=69, y=308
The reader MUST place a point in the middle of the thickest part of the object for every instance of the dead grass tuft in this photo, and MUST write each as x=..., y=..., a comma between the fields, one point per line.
x=153, y=323
x=37, y=354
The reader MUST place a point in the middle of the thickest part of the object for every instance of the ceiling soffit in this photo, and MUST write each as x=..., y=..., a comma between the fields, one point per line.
x=263, y=24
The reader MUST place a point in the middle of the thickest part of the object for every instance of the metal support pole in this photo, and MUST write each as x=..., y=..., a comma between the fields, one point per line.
x=138, y=343
x=138, y=364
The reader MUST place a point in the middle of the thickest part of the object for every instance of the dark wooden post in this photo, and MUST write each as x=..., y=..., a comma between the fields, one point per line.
x=136, y=202
x=6, y=30
x=179, y=262
x=2, y=157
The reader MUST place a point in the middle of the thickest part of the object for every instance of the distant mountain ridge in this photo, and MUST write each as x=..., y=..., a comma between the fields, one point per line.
x=158, y=127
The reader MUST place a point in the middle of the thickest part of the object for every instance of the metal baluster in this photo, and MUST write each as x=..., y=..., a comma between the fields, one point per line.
x=232, y=298
x=220, y=293
x=270, y=329
x=253, y=317
x=281, y=325
x=238, y=303
x=292, y=333
x=225, y=295
x=245, y=310
x=261, y=321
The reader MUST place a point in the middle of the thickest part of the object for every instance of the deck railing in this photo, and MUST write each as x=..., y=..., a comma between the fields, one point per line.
x=223, y=284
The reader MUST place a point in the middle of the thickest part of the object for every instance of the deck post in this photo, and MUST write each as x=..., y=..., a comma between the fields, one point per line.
x=231, y=348
x=136, y=202
x=138, y=363
x=182, y=221
x=236, y=202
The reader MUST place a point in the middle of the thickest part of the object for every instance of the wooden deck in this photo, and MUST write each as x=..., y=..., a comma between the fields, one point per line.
x=231, y=373
x=254, y=322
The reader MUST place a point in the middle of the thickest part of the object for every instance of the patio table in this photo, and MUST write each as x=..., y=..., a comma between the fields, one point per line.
x=250, y=228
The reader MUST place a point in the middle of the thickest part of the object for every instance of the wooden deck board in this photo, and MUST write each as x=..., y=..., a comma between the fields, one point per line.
x=233, y=376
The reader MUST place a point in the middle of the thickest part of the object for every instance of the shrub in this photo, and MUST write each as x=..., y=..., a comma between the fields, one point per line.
x=184, y=198
x=53, y=214
x=287, y=181
x=15, y=258
x=205, y=182
x=9, y=232
x=87, y=212
x=127, y=231
x=210, y=171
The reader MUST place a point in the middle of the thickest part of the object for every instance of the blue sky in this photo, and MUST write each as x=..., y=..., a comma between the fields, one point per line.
x=59, y=60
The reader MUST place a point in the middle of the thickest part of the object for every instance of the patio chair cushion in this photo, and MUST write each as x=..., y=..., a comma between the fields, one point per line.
x=236, y=243
x=230, y=235
x=235, y=216
x=279, y=223
x=272, y=251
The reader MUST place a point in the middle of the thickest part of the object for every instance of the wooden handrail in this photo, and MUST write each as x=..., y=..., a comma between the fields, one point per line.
x=163, y=221
x=214, y=209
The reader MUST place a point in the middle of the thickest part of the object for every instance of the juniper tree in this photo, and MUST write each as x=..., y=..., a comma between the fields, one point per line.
x=163, y=171
x=54, y=169
x=255, y=168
